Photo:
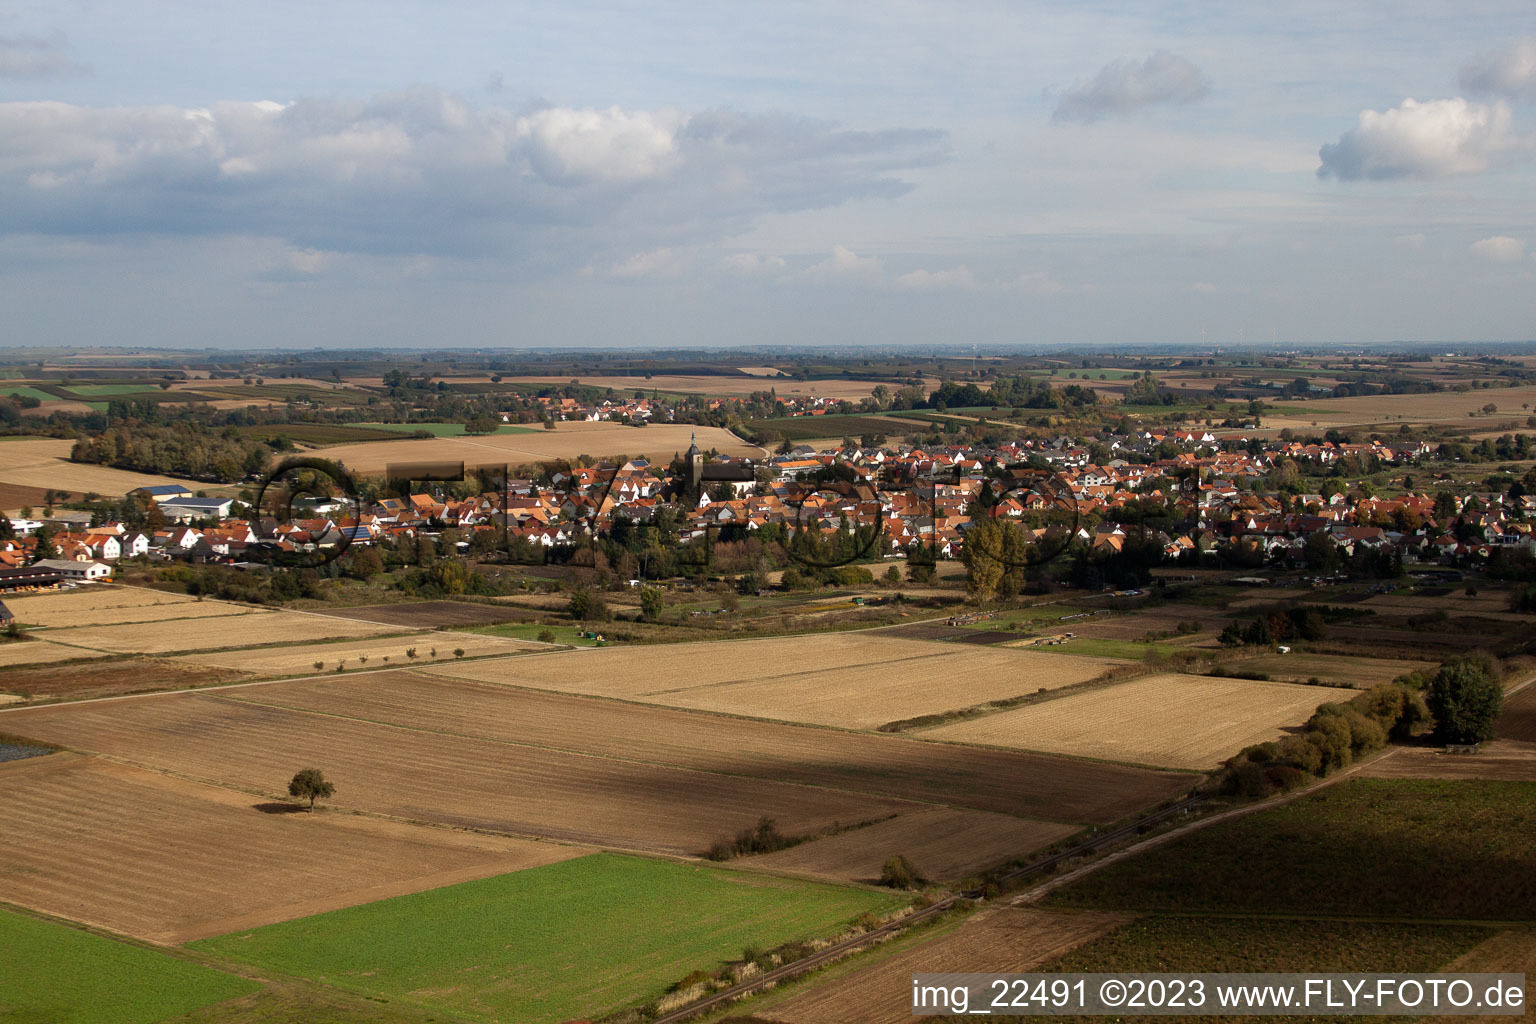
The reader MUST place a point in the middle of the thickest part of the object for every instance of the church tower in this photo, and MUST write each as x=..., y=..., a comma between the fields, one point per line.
x=695, y=462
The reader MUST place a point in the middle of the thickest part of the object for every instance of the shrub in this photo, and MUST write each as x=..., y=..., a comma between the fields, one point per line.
x=546, y=636
x=898, y=873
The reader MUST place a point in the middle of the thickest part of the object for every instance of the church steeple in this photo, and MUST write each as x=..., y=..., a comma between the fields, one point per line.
x=695, y=461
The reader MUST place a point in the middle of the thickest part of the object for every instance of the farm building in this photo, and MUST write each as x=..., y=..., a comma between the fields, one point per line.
x=161, y=492
x=29, y=577
x=75, y=570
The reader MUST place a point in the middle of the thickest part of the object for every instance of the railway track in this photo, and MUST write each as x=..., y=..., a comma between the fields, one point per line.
x=839, y=949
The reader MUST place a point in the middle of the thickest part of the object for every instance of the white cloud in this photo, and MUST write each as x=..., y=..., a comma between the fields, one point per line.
x=580, y=146
x=752, y=263
x=1435, y=139
x=846, y=264
x=1037, y=282
x=959, y=278
x=423, y=171
x=1203, y=288
x=1509, y=71
x=656, y=263
x=1127, y=85
x=27, y=56
x=1499, y=249
x=1413, y=241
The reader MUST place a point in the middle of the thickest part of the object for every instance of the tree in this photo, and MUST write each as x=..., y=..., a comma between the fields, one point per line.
x=1465, y=697
x=310, y=783
x=650, y=604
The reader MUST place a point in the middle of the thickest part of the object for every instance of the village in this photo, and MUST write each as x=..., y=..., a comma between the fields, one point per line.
x=1199, y=495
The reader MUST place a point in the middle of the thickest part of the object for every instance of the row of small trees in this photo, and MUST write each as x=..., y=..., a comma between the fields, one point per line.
x=1462, y=700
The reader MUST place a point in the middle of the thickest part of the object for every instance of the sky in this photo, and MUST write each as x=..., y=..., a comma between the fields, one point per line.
x=478, y=174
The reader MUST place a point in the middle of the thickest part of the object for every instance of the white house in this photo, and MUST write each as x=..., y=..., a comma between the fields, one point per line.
x=75, y=570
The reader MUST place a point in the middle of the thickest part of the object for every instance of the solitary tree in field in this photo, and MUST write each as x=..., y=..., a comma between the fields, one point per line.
x=310, y=783
x=1465, y=697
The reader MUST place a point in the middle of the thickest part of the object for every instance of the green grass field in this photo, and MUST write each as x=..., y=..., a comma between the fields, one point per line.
x=51, y=974
x=1416, y=848
x=1098, y=647
x=446, y=429
x=20, y=391
x=583, y=937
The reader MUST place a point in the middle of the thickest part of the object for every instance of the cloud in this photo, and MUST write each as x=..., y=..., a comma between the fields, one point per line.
x=1126, y=85
x=752, y=263
x=35, y=57
x=1508, y=72
x=1037, y=282
x=846, y=264
x=423, y=171
x=959, y=278
x=1435, y=139
x=1413, y=241
x=1499, y=249
x=656, y=263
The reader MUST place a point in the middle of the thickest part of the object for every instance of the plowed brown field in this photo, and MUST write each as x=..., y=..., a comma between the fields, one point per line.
x=942, y=843
x=170, y=861
x=428, y=777
x=1013, y=782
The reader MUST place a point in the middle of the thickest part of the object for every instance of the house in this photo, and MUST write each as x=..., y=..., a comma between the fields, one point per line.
x=75, y=570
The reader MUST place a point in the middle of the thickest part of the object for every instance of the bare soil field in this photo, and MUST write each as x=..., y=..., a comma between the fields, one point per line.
x=1007, y=781
x=1360, y=673
x=426, y=777
x=943, y=843
x=257, y=627
x=998, y=939
x=92, y=841
x=44, y=462
x=1137, y=625
x=1510, y=756
x=15, y=497
x=36, y=652
x=851, y=681
x=363, y=652
x=109, y=677
x=425, y=614
x=115, y=607
x=1172, y=721
x=1487, y=605
x=568, y=440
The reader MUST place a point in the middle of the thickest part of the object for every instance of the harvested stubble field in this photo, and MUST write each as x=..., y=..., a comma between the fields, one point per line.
x=1463, y=408
x=424, y=776
x=108, y=608
x=1492, y=605
x=44, y=462
x=851, y=681
x=300, y=658
x=257, y=627
x=1173, y=721
x=943, y=843
x=568, y=440
x=108, y=677
x=36, y=652
x=426, y=614
x=1011, y=782
x=999, y=939
x=92, y=841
